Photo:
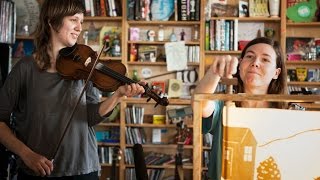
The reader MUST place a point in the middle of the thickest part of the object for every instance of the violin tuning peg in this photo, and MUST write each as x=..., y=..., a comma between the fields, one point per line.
x=148, y=99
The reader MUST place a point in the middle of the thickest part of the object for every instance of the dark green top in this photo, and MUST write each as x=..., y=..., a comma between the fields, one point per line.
x=42, y=103
x=213, y=125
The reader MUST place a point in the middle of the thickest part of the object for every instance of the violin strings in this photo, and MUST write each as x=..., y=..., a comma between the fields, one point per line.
x=114, y=74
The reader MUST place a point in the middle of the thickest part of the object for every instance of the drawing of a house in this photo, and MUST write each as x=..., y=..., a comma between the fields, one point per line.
x=239, y=151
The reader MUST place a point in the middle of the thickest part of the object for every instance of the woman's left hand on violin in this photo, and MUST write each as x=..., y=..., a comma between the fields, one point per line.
x=130, y=90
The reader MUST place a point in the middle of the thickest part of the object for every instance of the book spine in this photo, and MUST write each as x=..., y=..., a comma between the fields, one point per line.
x=235, y=35
x=212, y=23
x=207, y=35
x=103, y=8
x=197, y=10
x=231, y=38
x=222, y=34
x=217, y=35
x=184, y=10
x=130, y=7
x=227, y=36
x=92, y=13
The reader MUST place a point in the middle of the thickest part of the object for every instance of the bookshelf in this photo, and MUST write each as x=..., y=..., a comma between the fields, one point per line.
x=302, y=30
x=282, y=27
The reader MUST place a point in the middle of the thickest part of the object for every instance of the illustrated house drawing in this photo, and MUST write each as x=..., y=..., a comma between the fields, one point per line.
x=239, y=150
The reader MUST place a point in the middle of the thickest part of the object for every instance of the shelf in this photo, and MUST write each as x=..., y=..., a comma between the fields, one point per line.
x=161, y=42
x=102, y=18
x=162, y=166
x=315, y=24
x=107, y=144
x=248, y=19
x=223, y=52
x=171, y=146
x=19, y=37
x=103, y=124
x=304, y=84
x=146, y=125
x=158, y=63
x=303, y=63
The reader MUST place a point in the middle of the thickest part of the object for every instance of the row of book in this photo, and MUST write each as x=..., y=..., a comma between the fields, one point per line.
x=193, y=53
x=111, y=135
x=128, y=156
x=153, y=174
x=153, y=158
x=135, y=135
x=147, y=10
x=296, y=90
x=188, y=10
x=221, y=35
x=7, y=21
x=110, y=8
x=134, y=115
x=105, y=154
x=304, y=74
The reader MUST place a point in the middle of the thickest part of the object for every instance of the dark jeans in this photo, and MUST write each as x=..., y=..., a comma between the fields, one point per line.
x=90, y=176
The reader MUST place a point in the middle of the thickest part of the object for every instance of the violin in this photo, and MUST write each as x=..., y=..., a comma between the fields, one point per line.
x=77, y=62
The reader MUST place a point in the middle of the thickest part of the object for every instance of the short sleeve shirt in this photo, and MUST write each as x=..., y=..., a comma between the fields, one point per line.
x=42, y=103
x=213, y=125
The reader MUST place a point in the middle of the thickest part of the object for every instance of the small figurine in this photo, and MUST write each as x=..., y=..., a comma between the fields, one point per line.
x=133, y=53
x=106, y=40
x=151, y=34
x=152, y=57
x=173, y=36
x=182, y=34
x=269, y=33
x=85, y=37
x=116, y=50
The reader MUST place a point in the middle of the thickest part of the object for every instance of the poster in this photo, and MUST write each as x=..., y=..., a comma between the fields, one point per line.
x=271, y=144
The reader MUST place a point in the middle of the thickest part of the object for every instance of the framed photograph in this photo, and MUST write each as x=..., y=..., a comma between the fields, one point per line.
x=159, y=86
x=20, y=49
x=297, y=48
x=147, y=53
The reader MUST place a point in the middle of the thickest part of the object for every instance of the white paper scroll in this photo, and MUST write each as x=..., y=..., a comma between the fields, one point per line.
x=176, y=56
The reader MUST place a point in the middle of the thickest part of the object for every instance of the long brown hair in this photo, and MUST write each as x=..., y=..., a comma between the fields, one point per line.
x=52, y=12
x=276, y=86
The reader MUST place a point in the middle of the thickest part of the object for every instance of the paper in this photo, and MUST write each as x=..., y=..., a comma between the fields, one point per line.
x=176, y=56
x=260, y=144
x=156, y=136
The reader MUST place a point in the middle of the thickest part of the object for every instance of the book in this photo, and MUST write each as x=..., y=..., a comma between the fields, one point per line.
x=158, y=119
x=243, y=8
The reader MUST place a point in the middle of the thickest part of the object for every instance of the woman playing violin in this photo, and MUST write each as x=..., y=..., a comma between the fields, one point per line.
x=42, y=101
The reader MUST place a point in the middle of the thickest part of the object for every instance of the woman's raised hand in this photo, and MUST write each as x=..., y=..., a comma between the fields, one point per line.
x=225, y=66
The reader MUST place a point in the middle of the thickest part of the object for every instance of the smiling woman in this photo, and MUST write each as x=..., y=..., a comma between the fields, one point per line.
x=48, y=142
x=260, y=70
